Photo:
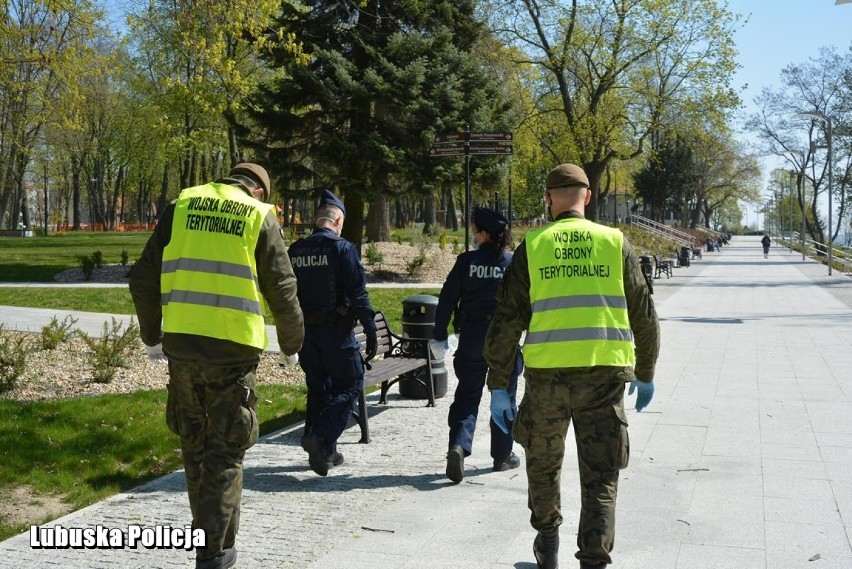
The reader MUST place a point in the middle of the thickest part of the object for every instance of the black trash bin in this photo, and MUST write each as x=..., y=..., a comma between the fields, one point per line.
x=418, y=321
x=684, y=256
x=648, y=271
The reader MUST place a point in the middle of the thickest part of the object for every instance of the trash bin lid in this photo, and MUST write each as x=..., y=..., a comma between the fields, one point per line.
x=421, y=299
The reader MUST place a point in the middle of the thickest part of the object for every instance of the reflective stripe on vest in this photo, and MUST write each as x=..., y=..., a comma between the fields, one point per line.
x=579, y=312
x=209, y=279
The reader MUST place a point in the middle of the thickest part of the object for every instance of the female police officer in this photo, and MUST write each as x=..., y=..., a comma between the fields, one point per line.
x=468, y=294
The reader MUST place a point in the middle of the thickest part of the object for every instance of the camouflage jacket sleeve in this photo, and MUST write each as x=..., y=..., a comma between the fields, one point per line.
x=509, y=321
x=642, y=314
x=145, y=280
x=278, y=286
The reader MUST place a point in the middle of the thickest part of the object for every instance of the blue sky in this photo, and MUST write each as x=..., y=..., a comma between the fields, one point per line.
x=781, y=32
x=778, y=33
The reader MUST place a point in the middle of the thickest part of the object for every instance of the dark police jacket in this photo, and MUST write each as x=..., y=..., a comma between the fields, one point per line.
x=332, y=281
x=471, y=287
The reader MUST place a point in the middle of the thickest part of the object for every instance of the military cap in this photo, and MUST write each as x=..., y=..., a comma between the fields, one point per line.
x=257, y=173
x=566, y=176
x=489, y=220
x=328, y=198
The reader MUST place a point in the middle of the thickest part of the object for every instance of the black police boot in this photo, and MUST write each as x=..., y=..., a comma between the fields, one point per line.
x=336, y=459
x=317, y=455
x=227, y=559
x=508, y=463
x=455, y=464
x=546, y=549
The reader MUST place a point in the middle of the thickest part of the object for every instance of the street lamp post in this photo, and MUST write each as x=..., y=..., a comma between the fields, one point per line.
x=790, y=236
x=827, y=120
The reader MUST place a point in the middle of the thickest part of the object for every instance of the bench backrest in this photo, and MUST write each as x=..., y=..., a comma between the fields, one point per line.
x=382, y=335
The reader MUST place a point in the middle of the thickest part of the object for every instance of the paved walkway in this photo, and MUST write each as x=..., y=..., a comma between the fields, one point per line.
x=743, y=459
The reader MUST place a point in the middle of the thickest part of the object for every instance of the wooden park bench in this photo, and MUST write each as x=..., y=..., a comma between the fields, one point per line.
x=398, y=356
x=663, y=266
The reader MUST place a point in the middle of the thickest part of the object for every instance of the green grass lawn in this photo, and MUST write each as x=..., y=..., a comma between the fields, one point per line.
x=86, y=449
x=38, y=259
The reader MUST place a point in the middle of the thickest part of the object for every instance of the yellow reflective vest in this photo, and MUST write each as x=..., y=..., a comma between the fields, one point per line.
x=209, y=281
x=579, y=312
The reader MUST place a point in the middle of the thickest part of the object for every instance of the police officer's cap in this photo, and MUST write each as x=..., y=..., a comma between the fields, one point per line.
x=566, y=176
x=257, y=173
x=489, y=220
x=329, y=198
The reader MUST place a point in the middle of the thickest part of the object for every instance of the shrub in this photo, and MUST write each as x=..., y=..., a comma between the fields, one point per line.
x=98, y=259
x=88, y=266
x=442, y=241
x=373, y=255
x=417, y=262
x=56, y=332
x=108, y=351
x=13, y=359
x=125, y=256
x=456, y=246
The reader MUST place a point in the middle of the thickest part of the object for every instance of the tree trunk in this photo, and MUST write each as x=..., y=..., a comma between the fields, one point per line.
x=75, y=188
x=378, y=219
x=164, y=191
x=429, y=224
x=353, y=227
x=452, y=212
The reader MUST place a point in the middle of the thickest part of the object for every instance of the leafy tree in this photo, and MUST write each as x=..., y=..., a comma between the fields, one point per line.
x=668, y=179
x=821, y=85
x=612, y=69
x=44, y=47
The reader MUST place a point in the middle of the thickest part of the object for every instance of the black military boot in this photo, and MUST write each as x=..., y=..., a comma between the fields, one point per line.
x=455, y=464
x=317, y=455
x=546, y=549
x=508, y=463
x=227, y=559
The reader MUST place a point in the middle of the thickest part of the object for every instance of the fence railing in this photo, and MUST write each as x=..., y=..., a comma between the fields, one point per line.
x=841, y=256
x=662, y=229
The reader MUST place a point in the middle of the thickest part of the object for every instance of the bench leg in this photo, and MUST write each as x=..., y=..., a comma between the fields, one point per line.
x=385, y=387
x=363, y=420
x=430, y=389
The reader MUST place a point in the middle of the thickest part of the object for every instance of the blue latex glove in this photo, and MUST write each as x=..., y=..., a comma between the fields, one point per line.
x=439, y=348
x=502, y=411
x=646, y=393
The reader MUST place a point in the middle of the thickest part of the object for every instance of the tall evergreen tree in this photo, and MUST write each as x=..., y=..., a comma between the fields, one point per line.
x=383, y=78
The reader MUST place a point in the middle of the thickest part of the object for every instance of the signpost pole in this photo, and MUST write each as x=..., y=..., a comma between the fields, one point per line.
x=467, y=188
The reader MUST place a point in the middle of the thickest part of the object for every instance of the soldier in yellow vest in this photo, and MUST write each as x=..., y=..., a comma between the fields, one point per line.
x=577, y=289
x=214, y=257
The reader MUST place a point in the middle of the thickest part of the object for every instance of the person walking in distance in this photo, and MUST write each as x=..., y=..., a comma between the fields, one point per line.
x=215, y=255
x=765, y=242
x=468, y=294
x=577, y=289
x=333, y=295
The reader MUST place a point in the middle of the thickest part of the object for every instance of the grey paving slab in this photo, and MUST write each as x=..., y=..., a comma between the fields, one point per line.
x=742, y=460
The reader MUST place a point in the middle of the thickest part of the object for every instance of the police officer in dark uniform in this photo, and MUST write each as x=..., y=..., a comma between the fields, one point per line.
x=469, y=295
x=332, y=293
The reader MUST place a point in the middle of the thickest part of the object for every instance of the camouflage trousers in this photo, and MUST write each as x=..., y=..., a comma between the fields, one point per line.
x=211, y=409
x=551, y=401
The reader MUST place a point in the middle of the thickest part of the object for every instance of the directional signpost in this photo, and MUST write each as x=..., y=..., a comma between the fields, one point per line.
x=469, y=144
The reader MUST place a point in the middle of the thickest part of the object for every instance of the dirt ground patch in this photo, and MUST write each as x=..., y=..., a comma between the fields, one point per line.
x=21, y=505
